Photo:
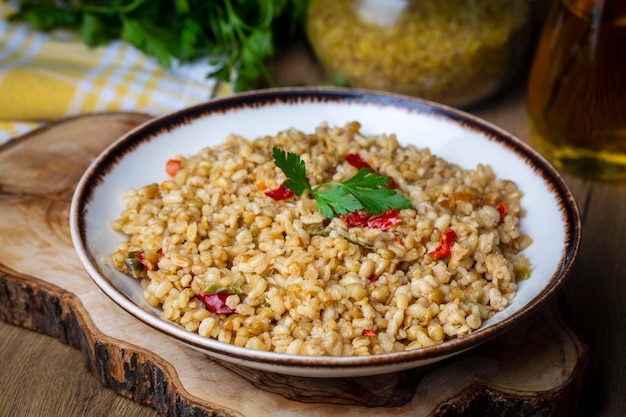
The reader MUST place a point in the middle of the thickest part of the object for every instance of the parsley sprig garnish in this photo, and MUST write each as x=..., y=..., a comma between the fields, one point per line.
x=236, y=36
x=366, y=190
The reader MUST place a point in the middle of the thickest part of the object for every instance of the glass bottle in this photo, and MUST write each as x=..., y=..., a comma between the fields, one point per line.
x=577, y=88
x=456, y=52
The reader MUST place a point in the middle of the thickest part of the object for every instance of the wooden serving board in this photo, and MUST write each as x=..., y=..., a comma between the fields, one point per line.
x=538, y=368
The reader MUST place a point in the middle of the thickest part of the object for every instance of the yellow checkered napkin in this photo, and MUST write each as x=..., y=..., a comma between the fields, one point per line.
x=48, y=76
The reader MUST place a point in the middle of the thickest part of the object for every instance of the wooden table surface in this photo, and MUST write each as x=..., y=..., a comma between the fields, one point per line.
x=39, y=375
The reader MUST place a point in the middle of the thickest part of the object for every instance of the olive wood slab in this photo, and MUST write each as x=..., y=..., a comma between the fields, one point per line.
x=538, y=368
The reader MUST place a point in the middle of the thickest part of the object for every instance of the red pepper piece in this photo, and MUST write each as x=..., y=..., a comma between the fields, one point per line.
x=280, y=193
x=384, y=220
x=216, y=302
x=369, y=333
x=356, y=218
x=502, y=209
x=445, y=243
x=172, y=166
x=356, y=161
x=146, y=263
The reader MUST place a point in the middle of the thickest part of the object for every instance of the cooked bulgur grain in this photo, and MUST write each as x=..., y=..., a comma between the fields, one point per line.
x=293, y=281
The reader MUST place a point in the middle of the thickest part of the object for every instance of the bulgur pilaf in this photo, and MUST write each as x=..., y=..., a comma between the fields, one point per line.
x=454, y=52
x=287, y=279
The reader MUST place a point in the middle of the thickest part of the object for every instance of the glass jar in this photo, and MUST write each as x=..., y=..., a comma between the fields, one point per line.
x=577, y=88
x=456, y=52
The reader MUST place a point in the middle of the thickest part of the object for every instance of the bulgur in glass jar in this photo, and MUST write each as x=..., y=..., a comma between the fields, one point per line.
x=456, y=52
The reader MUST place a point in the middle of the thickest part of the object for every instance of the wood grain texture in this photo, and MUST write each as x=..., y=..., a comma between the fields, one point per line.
x=596, y=293
x=536, y=369
x=45, y=362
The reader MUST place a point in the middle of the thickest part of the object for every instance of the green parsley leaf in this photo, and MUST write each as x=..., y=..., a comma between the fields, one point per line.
x=189, y=37
x=366, y=179
x=370, y=190
x=45, y=16
x=147, y=37
x=294, y=169
x=182, y=6
x=92, y=30
x=366, y=190
x=335, y=200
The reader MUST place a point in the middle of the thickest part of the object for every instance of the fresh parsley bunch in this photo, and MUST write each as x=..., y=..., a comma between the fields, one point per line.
x=366, y=190
x=238, y=35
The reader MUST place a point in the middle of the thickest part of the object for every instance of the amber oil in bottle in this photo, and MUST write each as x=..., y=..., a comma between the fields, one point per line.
x=577, y=88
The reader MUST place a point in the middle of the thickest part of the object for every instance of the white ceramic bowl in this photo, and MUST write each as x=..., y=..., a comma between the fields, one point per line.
x=137, y=158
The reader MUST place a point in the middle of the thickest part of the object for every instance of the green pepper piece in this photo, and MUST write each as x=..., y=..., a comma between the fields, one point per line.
x=135, y=268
